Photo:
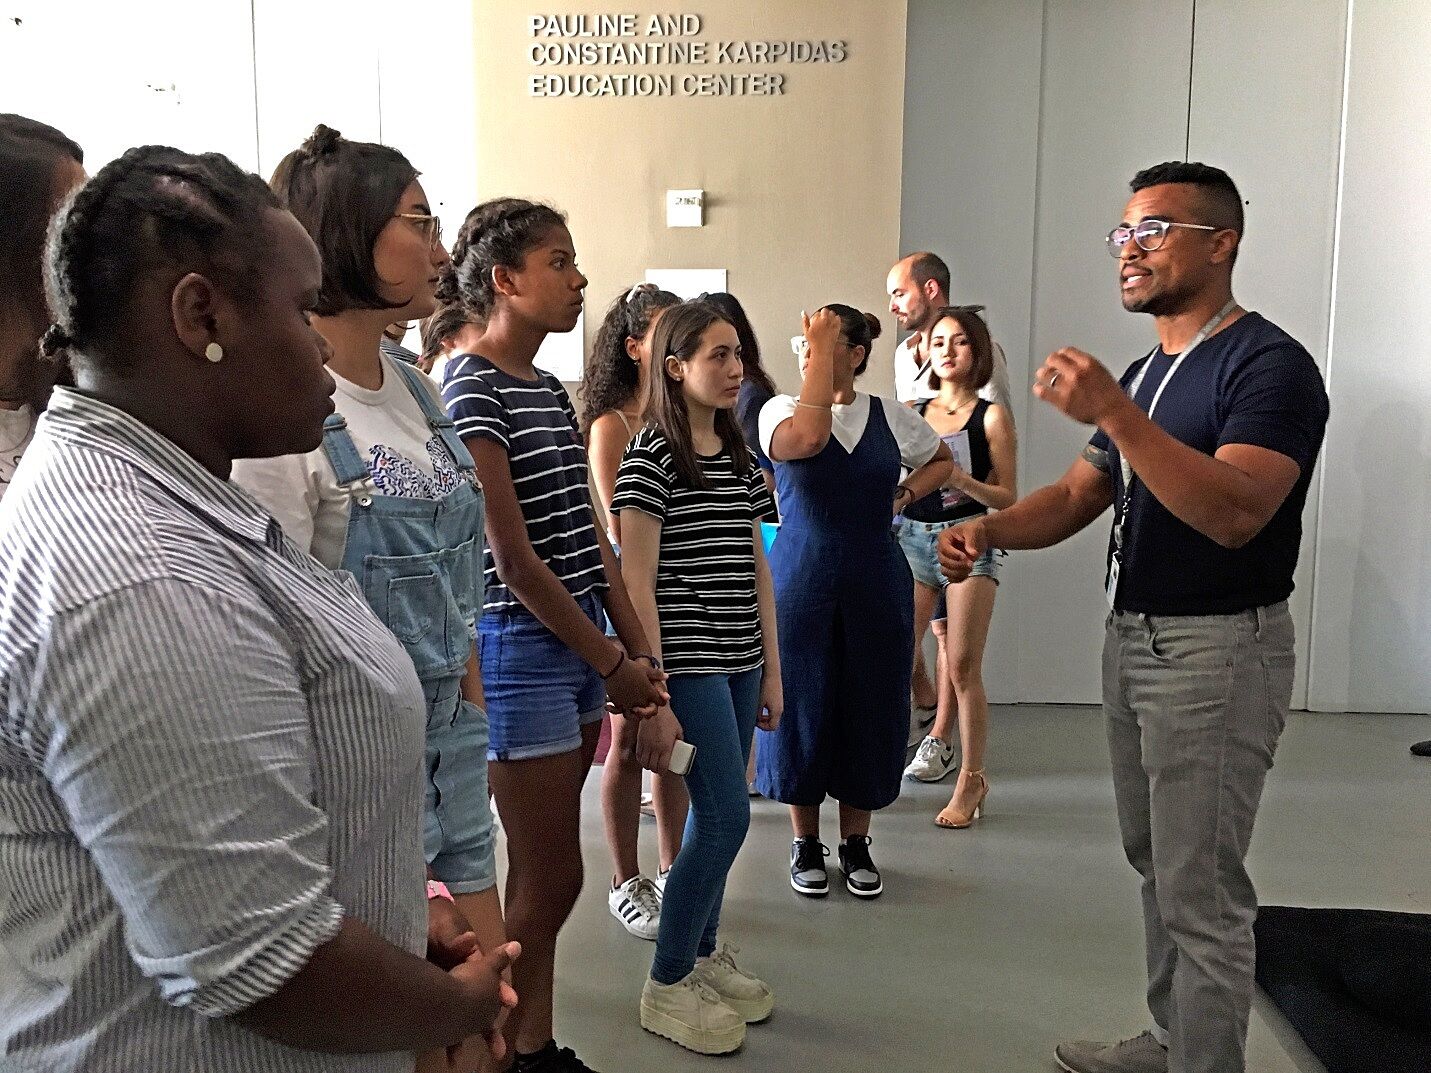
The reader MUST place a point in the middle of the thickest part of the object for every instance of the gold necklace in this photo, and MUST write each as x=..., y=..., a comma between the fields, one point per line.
x=952, y=410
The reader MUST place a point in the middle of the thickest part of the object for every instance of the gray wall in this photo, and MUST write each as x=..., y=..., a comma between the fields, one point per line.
x=1024, y=120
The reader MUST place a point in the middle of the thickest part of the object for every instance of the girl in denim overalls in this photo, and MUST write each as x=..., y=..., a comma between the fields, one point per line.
x=391, y=496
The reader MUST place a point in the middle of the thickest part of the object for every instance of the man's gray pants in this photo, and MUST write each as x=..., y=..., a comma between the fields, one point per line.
x=1195, y=705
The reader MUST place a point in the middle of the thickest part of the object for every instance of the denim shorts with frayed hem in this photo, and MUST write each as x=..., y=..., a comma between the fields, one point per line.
x=920, y=541
x=539, y=692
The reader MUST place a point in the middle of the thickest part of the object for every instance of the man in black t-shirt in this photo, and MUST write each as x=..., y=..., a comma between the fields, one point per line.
x=1205, y=450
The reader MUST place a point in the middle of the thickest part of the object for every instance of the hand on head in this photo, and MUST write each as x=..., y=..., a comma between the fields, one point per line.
x=822, y=327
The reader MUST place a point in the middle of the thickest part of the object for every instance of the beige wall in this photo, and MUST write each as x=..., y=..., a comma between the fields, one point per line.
x=802, y=190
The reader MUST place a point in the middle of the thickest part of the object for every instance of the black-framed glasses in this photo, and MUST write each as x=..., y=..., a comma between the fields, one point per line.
x=429, y=225
x=1148, y=234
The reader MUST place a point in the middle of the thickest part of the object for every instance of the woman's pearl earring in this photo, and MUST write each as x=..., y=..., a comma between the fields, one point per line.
x=214, y=352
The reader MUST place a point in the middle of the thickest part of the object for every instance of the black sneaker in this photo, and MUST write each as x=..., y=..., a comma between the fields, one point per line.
x=807, y=867
x=1421, y=748
x=862, y=878
x=550, y=1059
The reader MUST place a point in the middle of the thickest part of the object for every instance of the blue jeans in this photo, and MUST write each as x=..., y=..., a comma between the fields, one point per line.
x=717, y=714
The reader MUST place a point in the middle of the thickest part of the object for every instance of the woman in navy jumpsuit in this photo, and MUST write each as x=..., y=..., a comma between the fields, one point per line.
x=844, y=603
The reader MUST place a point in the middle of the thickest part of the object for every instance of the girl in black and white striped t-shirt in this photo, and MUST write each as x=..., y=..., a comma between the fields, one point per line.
x=690, y=499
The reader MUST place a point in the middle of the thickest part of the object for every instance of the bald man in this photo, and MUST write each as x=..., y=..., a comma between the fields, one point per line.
x=918, y=287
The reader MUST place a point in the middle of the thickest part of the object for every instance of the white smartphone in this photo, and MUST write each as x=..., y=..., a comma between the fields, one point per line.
x=682, y=756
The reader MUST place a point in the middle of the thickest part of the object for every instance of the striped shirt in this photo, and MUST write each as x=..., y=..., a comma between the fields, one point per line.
x=534, y=423
x=705, y=580
x=210, y=752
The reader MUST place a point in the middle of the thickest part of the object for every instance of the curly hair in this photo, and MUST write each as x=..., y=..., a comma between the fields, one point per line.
x=497, y=232
x=611, y=377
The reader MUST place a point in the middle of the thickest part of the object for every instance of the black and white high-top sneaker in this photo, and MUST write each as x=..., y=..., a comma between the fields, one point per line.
x=807, y=867
x=862, y=878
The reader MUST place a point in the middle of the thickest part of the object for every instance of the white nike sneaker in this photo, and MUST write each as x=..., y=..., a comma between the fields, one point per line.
x=932, y=762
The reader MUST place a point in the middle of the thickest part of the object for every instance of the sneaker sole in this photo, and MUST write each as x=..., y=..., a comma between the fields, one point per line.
x=858, y=893
x=683, y=1035
x=632, y=930
x=753, y=1011
x=920, y=778
x=807, y=891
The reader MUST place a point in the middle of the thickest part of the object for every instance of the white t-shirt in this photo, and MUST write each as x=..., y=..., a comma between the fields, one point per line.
x=916, y=439
x=404, y=457
x=17, y=429
x=909, y=386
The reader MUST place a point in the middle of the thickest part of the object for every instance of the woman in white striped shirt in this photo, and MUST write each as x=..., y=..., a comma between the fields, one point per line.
x=210, y=760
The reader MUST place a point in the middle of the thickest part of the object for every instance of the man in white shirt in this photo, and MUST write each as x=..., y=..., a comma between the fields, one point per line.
x=918, y=288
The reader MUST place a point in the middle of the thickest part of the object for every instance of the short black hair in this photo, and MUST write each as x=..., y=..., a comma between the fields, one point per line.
x=155, y=208
x=497, y=232
x=859, y=329
x=1222, y=203
x=344, y=193
x=925, y=266
x=30, y=154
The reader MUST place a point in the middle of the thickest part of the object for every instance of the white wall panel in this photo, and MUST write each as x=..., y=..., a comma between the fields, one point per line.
x=1266, y=107
x=970, y=162
x=116, y=75
x=318, y=63
x=1371, y=616
x=1106, y=112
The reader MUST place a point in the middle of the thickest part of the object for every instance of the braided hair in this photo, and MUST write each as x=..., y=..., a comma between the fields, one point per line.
x=497, y=232
x=611, y=377
x=153, y=209
x=30, y=156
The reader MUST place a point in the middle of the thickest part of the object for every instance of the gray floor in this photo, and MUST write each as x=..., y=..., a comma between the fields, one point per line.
x=992, y=944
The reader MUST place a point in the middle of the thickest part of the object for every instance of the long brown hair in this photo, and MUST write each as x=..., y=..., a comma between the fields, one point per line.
x=678, y=334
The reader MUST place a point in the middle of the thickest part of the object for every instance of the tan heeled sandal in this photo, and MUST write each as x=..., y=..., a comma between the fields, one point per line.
x=953, y=821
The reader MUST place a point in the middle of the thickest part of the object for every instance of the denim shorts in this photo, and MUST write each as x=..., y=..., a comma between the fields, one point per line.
x=920, y=541
x=457, y=836
x=539, y=692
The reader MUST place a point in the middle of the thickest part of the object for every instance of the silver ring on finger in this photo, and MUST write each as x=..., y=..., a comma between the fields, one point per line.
x=1053, y=380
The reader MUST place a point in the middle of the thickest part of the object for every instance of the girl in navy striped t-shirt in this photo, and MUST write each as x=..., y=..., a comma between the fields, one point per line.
x=691, y=498
x=547, y=665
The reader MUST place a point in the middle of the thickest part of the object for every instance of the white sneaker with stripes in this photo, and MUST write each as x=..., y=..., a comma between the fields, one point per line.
x=637, y=904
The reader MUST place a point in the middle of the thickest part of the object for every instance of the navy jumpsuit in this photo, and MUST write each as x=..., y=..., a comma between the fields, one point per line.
x=845, y=615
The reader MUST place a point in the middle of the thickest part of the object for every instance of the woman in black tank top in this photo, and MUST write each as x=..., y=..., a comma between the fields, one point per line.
x=981, y=436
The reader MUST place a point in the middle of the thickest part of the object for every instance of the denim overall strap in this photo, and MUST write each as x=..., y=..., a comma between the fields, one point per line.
x=437, y=418
x=348, y=465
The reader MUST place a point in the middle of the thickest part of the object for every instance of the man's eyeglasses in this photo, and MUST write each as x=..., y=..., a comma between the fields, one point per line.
x=429, y=225
x=1148, y=234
